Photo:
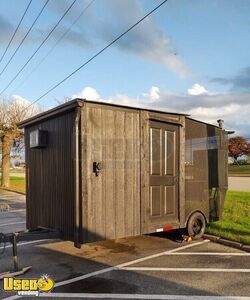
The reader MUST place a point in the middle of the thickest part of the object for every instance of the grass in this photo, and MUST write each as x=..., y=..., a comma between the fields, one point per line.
x=18, y=170
x=235, y=170
x=17, y=184
x=235, y=223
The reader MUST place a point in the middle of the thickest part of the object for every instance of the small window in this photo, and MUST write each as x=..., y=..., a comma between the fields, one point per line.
x=38, y=138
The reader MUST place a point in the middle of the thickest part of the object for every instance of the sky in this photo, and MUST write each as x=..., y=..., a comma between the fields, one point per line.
x=188, y=56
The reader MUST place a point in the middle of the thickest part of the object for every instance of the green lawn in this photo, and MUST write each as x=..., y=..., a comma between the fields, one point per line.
x=235, y=170
x=235, y=223
x=17, y=184
x=18, y=170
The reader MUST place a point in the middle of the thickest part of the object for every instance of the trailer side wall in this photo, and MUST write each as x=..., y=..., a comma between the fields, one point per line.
x=205, y=165
x=111, y=200
x=50, y=175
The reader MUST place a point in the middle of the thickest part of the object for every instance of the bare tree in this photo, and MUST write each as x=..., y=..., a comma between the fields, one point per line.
x=11, y=113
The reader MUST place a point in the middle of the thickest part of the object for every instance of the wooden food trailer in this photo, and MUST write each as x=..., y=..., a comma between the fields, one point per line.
x=102, y=171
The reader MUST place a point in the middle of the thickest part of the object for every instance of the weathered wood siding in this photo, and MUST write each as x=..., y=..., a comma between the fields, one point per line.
x=111, y=200
x=50, y=176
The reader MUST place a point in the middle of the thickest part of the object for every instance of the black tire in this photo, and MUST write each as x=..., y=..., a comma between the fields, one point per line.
x=196, y=225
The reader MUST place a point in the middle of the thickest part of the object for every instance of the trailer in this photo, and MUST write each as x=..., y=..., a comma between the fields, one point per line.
x=102, y=171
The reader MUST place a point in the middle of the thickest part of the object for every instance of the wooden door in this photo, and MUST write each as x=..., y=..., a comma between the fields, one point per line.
x=163, y=174
x=113, y=195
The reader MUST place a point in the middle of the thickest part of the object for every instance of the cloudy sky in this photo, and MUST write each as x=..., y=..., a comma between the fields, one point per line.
x=189, y=56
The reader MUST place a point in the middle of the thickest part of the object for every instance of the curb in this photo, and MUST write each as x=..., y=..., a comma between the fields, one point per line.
x=226, y=242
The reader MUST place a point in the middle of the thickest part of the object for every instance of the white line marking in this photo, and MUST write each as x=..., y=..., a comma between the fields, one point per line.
x=28, y=243
x=152, y=269
x=102, y=271
x=16, y=210
x=12, y=224
x=125, y=264
x=12, y=297
x=211, y=253
x=140, y=296
x=12, y=211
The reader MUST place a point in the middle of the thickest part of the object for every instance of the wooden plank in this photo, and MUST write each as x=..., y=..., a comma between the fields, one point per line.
x=137, y=174
x=129, y=179
x=99, y=218
x=144, y=170
x=91, y=205
x=109, y=172
x=165, y=117
x=117, y=205
x=119, y=156
x=84, y=176
x=182, y=173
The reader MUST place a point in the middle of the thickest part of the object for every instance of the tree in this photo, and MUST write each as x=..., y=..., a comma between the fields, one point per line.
x=11, y=113
x=237, y=147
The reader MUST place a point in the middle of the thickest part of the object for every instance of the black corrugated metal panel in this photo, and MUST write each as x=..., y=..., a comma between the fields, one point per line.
x=50, y=176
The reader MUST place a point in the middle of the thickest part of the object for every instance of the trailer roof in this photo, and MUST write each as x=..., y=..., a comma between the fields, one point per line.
x=78, y=102
x=50, y=113
x=206, y=123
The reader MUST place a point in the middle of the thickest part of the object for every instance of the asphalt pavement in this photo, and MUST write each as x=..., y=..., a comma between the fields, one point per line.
x=12, y=212
x=158, y=266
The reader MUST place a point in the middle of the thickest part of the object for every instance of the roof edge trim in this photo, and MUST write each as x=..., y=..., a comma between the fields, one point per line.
x=51, y=112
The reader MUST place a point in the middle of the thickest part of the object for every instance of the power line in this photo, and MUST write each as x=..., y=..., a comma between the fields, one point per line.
x=23, y=39
x=15, y=31
x=48, y=35
x=51, y=50
x=97, y=54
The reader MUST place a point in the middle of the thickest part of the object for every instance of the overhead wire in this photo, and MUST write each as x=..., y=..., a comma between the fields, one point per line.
x=39, y=47
x=24, y=38
x=15, y=31
x=54, y=46
x=97, y=54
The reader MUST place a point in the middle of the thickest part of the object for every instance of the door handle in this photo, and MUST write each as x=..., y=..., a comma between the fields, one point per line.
x=97, y=166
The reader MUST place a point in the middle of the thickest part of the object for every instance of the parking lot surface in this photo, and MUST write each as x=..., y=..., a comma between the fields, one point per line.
x=12, y=212
x=144, y=267
x=241, y=184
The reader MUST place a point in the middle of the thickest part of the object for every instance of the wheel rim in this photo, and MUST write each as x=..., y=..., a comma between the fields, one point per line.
x=197, y=226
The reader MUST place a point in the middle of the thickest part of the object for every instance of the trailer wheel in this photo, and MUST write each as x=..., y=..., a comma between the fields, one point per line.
x=196, y=225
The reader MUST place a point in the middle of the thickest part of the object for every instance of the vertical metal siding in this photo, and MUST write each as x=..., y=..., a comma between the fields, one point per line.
x=197, y=175
x=206, y=165
x=50, y=176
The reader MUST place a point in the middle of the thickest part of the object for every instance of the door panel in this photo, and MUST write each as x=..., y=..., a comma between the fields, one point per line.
x=155, y=151
x=163, y=177
x=113, y=197
x=155, y=203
